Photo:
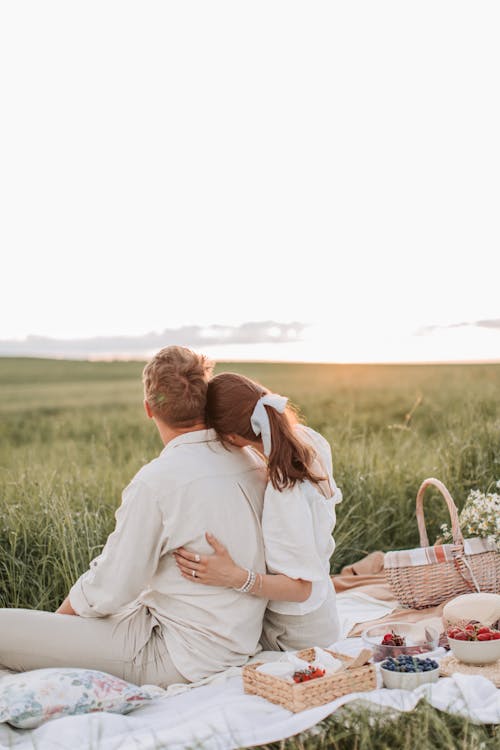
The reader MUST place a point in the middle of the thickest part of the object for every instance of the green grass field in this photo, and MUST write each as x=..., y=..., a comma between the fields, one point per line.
x=72, y=434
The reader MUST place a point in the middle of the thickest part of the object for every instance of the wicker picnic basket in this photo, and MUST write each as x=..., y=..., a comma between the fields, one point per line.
x=299, y=696
x=428, y=576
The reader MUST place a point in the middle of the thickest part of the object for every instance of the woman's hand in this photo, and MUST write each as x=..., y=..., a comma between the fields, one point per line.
x=66, y=608
x=218, y=569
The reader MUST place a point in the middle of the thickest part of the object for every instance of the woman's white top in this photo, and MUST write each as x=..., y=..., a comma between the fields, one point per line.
x=297, y=526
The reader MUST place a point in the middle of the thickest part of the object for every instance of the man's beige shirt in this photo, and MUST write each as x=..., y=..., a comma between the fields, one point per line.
x=195, y=485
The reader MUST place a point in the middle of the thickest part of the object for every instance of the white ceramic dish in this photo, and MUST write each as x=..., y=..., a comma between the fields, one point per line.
x=475, y=652
x=407, y=680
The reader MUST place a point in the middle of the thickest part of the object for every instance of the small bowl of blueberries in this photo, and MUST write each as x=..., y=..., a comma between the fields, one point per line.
x=407, y=672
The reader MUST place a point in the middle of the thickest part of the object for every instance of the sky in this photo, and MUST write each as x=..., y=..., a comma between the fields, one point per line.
x=331, y=168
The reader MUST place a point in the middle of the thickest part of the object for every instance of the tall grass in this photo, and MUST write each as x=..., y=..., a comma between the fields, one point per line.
x=72, y=434
x=425, y=728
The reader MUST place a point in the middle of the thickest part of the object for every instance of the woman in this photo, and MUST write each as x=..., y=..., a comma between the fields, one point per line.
x=297, y=521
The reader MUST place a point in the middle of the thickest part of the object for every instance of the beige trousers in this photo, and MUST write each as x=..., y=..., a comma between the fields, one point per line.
x=295, y=632
x=129, y=645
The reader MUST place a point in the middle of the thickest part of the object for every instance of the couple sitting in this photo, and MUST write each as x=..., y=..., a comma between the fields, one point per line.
x=220, y=543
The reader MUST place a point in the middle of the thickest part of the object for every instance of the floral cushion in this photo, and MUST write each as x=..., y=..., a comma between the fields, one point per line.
x=28, y=699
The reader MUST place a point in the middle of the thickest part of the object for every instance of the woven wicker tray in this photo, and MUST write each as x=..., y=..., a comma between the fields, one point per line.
x=450, y=664
x=299, y=696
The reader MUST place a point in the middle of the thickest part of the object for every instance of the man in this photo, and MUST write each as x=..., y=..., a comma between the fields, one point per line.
x=132, y=613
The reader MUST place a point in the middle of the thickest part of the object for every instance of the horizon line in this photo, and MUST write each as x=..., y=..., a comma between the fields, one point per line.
x=99, y=359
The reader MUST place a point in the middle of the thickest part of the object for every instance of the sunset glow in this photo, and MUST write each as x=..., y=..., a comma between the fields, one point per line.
x=216, y=163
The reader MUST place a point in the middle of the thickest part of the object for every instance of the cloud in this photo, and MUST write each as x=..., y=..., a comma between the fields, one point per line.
x=493, y=323
x=256, y=332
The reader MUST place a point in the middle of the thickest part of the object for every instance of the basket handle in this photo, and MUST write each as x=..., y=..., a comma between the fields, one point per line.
x=456, y=531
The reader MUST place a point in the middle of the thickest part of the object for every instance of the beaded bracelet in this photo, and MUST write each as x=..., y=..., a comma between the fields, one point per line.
x=249, y=583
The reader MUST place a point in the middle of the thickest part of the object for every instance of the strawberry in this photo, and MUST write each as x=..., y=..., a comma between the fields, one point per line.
x=317, y=673
x=483, y=631
x=299, y=676
x=393, y=639
x=473, y=631
x=311, y=673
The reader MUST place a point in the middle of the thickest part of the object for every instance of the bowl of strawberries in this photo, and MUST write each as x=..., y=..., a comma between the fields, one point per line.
x=394, y=639
x=474, y=643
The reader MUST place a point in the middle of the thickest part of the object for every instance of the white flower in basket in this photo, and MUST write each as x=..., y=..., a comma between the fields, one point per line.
x=480, y=517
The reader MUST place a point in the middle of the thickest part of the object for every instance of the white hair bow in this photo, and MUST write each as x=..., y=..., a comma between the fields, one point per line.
x=260, y=419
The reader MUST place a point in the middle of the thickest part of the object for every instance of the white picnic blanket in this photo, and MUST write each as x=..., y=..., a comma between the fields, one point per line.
x=219, y=716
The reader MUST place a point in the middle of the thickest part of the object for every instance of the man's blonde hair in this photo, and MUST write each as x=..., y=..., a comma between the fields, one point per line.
x=175, y=385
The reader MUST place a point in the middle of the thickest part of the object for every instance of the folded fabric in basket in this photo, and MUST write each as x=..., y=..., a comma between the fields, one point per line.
x=438, y=554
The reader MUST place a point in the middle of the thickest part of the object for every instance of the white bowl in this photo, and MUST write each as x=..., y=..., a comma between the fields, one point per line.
x=475, y=652
x=407, y=680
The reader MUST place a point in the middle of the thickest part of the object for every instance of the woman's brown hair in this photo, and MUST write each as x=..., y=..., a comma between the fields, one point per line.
x=231, y=399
